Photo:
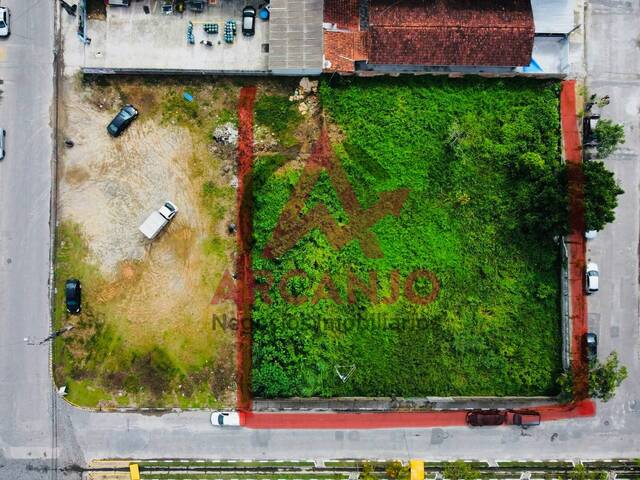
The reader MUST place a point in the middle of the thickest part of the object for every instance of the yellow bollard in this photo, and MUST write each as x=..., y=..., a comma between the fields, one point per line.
x=417, y=469
x=134, y=471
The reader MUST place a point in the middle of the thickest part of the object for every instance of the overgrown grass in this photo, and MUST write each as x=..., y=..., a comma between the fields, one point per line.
x=278, y=114
x=460, y=147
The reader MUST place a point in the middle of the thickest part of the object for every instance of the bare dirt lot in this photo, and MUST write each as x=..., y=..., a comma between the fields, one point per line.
x=145, y=334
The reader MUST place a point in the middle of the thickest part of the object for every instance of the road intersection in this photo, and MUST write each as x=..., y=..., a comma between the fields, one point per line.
x=37, y=429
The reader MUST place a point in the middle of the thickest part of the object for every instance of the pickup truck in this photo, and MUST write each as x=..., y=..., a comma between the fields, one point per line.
x=155, y=222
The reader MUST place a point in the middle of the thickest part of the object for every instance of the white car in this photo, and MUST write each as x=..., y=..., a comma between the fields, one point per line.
x=226, y=419
x=3, y=132
x=5, y=14
x=592, y=276
x=590, y=234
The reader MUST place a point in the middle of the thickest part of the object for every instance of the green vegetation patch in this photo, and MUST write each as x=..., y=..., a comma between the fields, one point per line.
x=278, y=114
x=480, y=160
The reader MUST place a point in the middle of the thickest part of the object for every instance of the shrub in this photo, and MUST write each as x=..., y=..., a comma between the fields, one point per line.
x=276, y=112
x=608, y=135
x=601, y=193
x=605, y=378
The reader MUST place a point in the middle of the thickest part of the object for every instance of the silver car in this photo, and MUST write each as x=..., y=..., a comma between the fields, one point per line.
x=3, y=132
x=5, y=14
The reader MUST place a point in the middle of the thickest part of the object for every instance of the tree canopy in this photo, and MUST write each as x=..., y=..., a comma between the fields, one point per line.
x=600, y=195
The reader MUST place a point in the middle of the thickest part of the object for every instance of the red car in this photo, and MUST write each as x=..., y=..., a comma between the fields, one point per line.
x=485, y=418
x=523, y=418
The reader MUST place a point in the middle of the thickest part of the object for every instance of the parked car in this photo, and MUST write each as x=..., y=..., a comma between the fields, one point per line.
x=483, y=418
x=590, y=234
x=3, y=132
x=197, y=6
x=523, y=418
x=227, y=419
x=122, y=120
x=591, y=343
x=118, y=3
x=157, y=220
x=248, y=21
x=73, y=295
x=592, y=275
x=5, y=18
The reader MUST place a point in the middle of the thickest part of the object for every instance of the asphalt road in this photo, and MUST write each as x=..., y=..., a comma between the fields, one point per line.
x=613, y=66
x=26, y=69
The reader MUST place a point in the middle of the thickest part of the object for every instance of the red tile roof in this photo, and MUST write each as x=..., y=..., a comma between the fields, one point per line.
x=454, y=32
x=343, y=13
x=343, y=49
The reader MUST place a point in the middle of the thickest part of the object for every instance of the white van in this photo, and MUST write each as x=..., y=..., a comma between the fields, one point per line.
x=118, y=3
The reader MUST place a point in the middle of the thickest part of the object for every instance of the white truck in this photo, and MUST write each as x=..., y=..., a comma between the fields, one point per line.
x=158, y=219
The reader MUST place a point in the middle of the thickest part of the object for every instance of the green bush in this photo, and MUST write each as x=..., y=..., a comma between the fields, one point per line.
x=481, y=161
x=601, y=193
x=608, y=135
x=276, y=112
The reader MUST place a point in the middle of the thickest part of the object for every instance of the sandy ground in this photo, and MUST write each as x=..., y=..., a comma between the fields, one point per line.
x=111, y=185
x=154, y=292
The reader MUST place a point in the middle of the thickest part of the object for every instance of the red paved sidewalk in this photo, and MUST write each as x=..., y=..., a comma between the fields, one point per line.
x=580, y=408
x=575, y=240
x=244, y=292
x=450, y=418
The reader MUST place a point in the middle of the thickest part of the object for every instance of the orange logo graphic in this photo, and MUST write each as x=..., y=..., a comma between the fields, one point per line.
x=293, y=224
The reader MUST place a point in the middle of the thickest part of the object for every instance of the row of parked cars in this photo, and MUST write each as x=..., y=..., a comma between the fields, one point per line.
x=591, y=285
x=5, y=31
x=485, y=418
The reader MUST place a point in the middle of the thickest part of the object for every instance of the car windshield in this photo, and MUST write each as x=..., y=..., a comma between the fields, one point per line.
x=221, y=419
x=2, y=24
x=593, y=273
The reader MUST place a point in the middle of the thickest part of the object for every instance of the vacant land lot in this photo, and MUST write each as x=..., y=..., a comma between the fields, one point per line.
x=145, y=334
x=473, y=156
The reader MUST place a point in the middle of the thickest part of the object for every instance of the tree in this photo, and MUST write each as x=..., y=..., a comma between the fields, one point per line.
x=460, y=470
x=608, y=136
x=565, y=382
x=600, y=195
x=395, y=470
x=605, y=377
x=541, y=195
x=367, y=472
x=579, y=473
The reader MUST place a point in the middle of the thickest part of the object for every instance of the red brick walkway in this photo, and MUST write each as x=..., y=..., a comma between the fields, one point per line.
x=575, y=240
x=580, y=408
x=244, y=293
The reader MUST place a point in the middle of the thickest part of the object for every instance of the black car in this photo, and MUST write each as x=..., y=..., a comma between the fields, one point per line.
x=73, y=295
x=485, y=418
x=196, y=6
x=248, y=21
x=122, y=120
x=591, y=342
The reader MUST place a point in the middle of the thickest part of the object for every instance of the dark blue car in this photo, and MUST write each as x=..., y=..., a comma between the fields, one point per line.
x=73, y=295
x=122, y=120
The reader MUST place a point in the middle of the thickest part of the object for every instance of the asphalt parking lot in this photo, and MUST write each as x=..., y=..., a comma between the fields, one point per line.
x=129, y=38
